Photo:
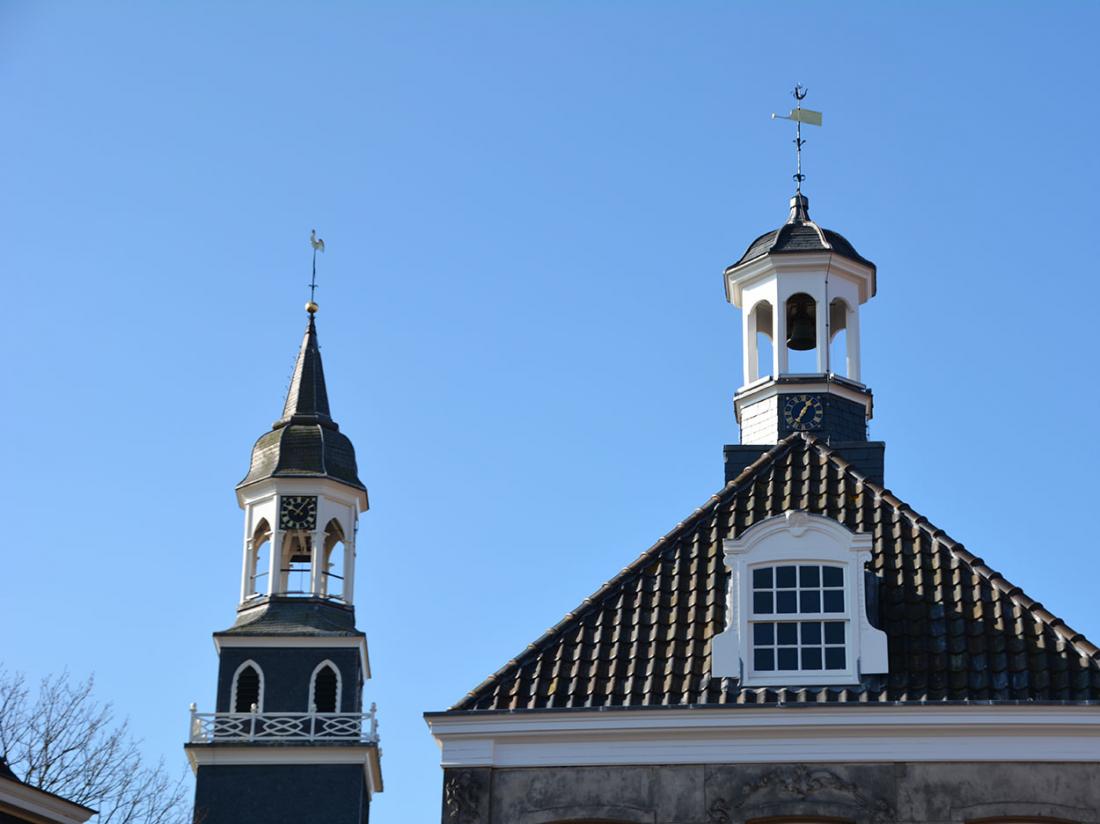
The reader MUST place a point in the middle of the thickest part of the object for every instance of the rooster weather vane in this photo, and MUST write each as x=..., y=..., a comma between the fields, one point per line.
x=799, y=116
x=318, y=246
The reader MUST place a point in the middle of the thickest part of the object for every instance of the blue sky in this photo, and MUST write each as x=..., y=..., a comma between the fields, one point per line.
x=527, y=209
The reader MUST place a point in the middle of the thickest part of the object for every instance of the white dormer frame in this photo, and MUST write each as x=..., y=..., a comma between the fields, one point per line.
x=312, y=706
x=794, y=538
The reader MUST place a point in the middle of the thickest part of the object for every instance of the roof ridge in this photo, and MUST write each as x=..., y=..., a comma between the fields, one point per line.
x=1076, y=639
x=622, y=576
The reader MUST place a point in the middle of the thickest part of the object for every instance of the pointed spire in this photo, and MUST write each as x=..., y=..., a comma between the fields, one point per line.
x=307, y=397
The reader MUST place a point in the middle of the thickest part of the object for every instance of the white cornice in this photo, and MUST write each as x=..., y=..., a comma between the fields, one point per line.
x=711, y=735
x=767, y=388
x=297, y=641
x=793, y=263
x=369, y=755
x=16, y=797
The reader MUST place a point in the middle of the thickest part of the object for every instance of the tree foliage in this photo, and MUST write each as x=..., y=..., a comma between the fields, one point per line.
x=63, y=740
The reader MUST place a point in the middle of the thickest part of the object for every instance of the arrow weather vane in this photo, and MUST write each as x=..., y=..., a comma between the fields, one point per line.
x=799, y=116
x=318, y=246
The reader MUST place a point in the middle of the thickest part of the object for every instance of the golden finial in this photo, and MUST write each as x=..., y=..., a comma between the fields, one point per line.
x=311, y=307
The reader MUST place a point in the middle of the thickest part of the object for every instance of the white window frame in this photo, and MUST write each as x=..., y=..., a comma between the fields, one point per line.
x=313, y=684
x=233, y=687
x=794, y=538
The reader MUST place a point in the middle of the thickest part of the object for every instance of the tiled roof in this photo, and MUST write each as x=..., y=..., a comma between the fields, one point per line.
x=957, y=630
x=294, y=616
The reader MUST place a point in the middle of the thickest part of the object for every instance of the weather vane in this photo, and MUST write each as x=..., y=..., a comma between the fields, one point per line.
x=318, y=246
x=799, y=116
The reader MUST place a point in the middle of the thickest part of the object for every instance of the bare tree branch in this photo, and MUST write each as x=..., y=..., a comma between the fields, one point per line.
x=67, y=742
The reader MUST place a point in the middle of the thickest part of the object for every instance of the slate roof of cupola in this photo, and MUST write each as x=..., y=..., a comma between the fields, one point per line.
x=957, y=629
x=800, y=234
x=305, y=441
x=294, y=616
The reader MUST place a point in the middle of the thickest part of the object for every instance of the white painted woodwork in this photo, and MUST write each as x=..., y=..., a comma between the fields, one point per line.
x=797, y=537
x=803, y=733
x=771, y=280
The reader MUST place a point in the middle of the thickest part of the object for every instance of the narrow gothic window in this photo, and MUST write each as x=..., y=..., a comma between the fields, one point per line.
x=246, y=689
x=325, y=688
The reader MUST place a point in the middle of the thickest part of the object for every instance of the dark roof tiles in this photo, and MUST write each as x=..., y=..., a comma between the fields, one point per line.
x=957, y=630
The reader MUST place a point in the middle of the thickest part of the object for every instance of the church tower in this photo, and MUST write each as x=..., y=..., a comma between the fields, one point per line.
x=800, y=288
x=289, y=739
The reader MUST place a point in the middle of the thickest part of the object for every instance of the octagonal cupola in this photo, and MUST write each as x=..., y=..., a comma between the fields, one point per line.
x=799, y=288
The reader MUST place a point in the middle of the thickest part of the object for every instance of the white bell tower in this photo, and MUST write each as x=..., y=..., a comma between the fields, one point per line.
x=799, y=288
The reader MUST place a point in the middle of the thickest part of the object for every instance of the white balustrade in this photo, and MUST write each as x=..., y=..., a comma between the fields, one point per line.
x=343, y=727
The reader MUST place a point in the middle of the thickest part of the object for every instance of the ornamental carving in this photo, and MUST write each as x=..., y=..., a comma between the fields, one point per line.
x=461, y=797
x=800, y=783
x=797, y=522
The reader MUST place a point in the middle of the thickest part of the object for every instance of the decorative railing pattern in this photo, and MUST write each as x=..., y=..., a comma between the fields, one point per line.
x=339, y=727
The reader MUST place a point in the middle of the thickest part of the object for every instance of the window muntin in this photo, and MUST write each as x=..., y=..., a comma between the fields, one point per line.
x=783, y=597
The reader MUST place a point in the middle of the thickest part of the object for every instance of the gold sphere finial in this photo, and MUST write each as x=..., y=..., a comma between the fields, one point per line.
x=311, y=307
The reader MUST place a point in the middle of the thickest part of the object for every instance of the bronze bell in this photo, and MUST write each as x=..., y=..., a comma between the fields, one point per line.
x=801, y=323
x=300, y=549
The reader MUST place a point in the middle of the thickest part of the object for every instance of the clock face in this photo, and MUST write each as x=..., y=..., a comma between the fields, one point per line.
x=803, y=412
x=298, y=512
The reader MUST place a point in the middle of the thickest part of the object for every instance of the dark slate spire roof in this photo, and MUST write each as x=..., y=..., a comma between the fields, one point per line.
x=307, y=398
x=800, y=234
x=305, y=441
x=276, y=615
x=957, y=630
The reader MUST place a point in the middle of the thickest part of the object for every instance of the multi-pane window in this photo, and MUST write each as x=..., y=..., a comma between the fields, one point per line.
x=798, y=620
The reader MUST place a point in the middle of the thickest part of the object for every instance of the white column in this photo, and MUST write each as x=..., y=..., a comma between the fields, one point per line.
x=852, y=336
x=316, y=563
x=821, y=319
x=275, y=583
x=779, y=341
x=749, y=355
x=349, y=568
x=248, y=570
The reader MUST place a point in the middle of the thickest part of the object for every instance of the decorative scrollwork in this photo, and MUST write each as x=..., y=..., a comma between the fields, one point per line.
x=719, y=811
x=805, y=784
x=461, y=796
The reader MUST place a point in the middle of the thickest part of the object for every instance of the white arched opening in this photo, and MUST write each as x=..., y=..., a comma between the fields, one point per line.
x=247, y=691
x=760, y=337
x=325, y=688
x=258, y=561
x=333, y=561
x=801, y=334
x=296, y=563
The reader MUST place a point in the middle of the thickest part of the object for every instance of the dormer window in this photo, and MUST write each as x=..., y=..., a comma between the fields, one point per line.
x=796, y=608
x=798, y=619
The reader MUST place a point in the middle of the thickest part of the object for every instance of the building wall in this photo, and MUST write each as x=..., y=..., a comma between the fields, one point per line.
x=899, y=793
x=299, y=793
x=287, y=672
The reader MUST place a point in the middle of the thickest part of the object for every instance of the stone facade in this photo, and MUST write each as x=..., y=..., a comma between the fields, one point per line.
x=896, y=793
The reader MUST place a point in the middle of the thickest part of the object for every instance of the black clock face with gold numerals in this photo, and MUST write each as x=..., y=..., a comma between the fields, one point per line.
x=298, y=512
x=803, y=412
